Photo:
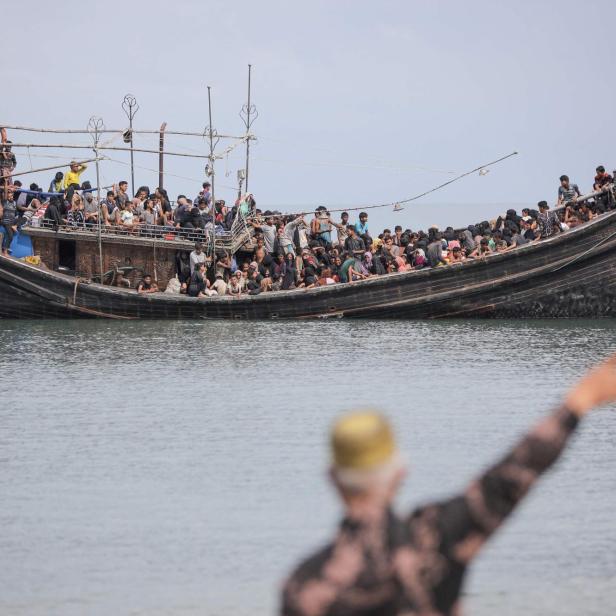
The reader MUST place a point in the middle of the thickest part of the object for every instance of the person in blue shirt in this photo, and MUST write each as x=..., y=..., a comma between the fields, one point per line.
x=362, y=226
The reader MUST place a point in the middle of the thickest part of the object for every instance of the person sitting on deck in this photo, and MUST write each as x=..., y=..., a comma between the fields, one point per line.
x=219, y=285
x=456, y=255
x=56, y=185
x=527, y=228
x=198, y=285
x=147, y=285
x=91, y=209
x=120, y=280
x=349, y=270
x=76, y=217
x=73, y=176
x=53, y=213
x=483, y=249
x=434, y=252
x=110, y=210
x=149, y=217
x=236, y=284
x=128, y=220
x=180, y=215
x=602, y=178
x=567, y=192
x=382, y=564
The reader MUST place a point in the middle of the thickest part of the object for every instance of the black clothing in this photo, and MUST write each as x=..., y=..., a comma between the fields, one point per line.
x=354, y=244
x=196, y=284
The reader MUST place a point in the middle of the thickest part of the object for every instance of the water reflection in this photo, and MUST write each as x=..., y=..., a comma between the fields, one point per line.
x=180, y=466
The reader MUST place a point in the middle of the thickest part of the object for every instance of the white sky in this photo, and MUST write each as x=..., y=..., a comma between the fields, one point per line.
x=359, y=102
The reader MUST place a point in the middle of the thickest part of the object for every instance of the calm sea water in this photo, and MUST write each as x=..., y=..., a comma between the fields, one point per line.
x=179, y=468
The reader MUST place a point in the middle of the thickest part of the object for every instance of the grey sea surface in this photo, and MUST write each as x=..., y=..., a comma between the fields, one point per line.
x=180, y=467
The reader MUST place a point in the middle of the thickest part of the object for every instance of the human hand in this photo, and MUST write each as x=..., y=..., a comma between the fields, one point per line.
x=596, y=388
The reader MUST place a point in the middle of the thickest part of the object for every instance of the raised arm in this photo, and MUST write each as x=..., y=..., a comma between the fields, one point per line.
x=467, y=521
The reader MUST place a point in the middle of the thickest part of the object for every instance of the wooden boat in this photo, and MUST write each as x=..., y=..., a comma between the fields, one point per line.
x=572, y=274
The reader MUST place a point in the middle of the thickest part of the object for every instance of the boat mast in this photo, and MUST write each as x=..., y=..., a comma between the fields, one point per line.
x=248, y=114
x=214, y=139
x=161, y=154
x=131, y=107
x=95, y=126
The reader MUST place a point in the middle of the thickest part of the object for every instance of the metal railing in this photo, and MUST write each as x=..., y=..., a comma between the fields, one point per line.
x=231, y=241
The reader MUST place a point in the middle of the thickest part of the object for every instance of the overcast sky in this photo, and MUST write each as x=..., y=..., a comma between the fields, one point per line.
x=359, y=102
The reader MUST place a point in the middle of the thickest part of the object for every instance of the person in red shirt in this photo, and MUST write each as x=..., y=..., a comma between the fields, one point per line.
x=602, y=178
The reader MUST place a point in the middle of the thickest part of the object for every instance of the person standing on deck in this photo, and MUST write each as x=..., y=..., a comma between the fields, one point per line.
x=341, y=228
x=8, y=220
x=382, y=564
x=8, y=162
x=361, y=227
x=354, y=244
x=121, y=192
x=321, y=227
x=269, y=233
x=567, y=192
x=285, y=238
x=197, y=256
x=547, y=222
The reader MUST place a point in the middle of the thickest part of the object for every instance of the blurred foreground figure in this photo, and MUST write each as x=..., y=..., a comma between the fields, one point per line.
x=380, y=564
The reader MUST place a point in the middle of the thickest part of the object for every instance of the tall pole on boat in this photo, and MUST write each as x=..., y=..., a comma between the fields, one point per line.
x=131, y=107
x=248, y=114
x=214, y=139
x=95, y=127
x=161, y=149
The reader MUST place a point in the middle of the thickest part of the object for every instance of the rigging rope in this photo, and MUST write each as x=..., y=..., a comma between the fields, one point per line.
x=414, y=198
x=172, y=175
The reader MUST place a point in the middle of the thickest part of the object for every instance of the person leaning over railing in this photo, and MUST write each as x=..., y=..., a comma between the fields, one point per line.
x=379, y=563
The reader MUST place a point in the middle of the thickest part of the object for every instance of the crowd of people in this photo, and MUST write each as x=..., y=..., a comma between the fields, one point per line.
x=288, y=251
x=292, y=252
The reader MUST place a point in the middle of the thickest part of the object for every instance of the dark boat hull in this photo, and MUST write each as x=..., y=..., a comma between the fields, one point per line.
x=570, y=275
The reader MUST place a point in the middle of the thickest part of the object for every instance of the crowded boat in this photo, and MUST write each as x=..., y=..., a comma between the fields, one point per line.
x=285, y=251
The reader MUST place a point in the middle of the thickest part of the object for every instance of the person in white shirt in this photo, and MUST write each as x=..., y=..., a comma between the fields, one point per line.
x=196, y=256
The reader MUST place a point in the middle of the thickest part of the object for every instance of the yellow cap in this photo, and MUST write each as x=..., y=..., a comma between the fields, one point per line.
x=362, y=441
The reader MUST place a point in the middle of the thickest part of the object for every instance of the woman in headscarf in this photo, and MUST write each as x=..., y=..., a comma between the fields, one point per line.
x=367, y=265
x=401, y=264
x=419, y=260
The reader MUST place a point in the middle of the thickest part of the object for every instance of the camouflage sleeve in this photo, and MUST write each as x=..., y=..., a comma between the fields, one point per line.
x=466, y=522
